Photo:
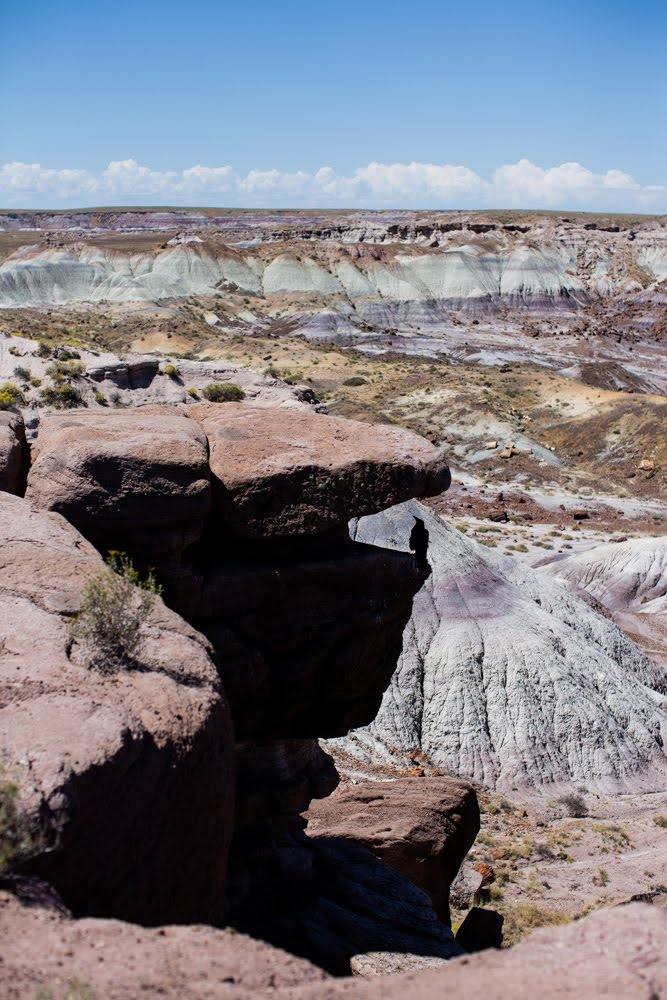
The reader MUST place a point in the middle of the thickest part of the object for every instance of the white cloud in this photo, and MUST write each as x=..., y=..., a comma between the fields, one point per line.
x=395, y=185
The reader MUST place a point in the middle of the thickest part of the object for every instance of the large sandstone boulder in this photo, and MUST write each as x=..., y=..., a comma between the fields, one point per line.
x=134, y=479
x=508, y=678
x=282, y=473
x=423, y=827
x=46, y=953
x=616, y=954
x=126, y=776
x=13, y=453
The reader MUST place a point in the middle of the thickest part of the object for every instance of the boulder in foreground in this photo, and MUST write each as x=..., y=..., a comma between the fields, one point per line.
x=127, y=776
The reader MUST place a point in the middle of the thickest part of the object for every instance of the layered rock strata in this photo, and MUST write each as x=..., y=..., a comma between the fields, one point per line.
x=509, y=678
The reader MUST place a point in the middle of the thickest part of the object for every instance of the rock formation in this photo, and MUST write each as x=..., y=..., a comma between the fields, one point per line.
x=630, y=575
x=13, y=453
x=508, y=678
x=615, y=953
x=43, y=949
x=630, y=579
x=127, y=777
x=422, y=827
x=244, y=517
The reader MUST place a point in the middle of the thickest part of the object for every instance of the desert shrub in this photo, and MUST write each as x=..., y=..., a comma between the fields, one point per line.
x=355, y=380
x=222, y=392
x=22, y=373
x=44, y=350
x=100, y=398
x=62, y=397
x=171, y=371
x=573, y=805
x=66, y=354
x=16, y=841
x=192, y=392
x=660, y=821
x=64, y=371
x=10, y=395
x=522, y=918
x=113, y=609
x=35, y=381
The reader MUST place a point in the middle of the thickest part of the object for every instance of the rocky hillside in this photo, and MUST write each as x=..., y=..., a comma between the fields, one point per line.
x=398, y=275
x=508, y=678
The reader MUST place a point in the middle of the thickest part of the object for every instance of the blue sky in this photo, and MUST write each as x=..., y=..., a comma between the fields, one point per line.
x=422, y=104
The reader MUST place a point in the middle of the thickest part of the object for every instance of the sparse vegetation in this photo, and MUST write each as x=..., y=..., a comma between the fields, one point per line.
x=62, y=397
x=22, y=373
x=10, y=396
x=193, y=393
x=171, y=371
x=100, y=398
x=355, y=380
x=113, y=610
x=573, y=805
x=16, y=839
x=223, y=392
x=660, y=821
x=521, y=918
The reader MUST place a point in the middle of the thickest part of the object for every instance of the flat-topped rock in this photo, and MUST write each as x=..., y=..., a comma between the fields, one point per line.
x=134, y=479
x=279, y=473
x=421, y=827
x=13, y=453
x=127, y=775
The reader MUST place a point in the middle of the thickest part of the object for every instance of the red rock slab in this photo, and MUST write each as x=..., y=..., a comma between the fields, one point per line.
x=422, y=827
x=278, y=472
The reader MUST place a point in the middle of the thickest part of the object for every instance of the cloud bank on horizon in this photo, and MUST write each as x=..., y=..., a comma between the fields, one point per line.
x=376, y=185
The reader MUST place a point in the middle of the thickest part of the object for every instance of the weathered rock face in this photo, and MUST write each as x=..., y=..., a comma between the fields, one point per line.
x=615, y=953
x=131, y=479
x=508, y=678
x=629, y=575
x=128, y=776
x=421, y=827
x=291, y=605
x=279, y=474
x=46, y=952
x=13, y=453
x=351, y=913
x=291, y=632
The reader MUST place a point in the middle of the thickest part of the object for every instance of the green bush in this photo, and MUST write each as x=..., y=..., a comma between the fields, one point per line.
x=44, y=350
x=16, y=841
x=64, y=371
x=192, y=392
x=113, y=609
x=22, y=373
x=222, y=392
x=10, y=396
x=171, y=370
x=62, y=397
x=100, y=398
